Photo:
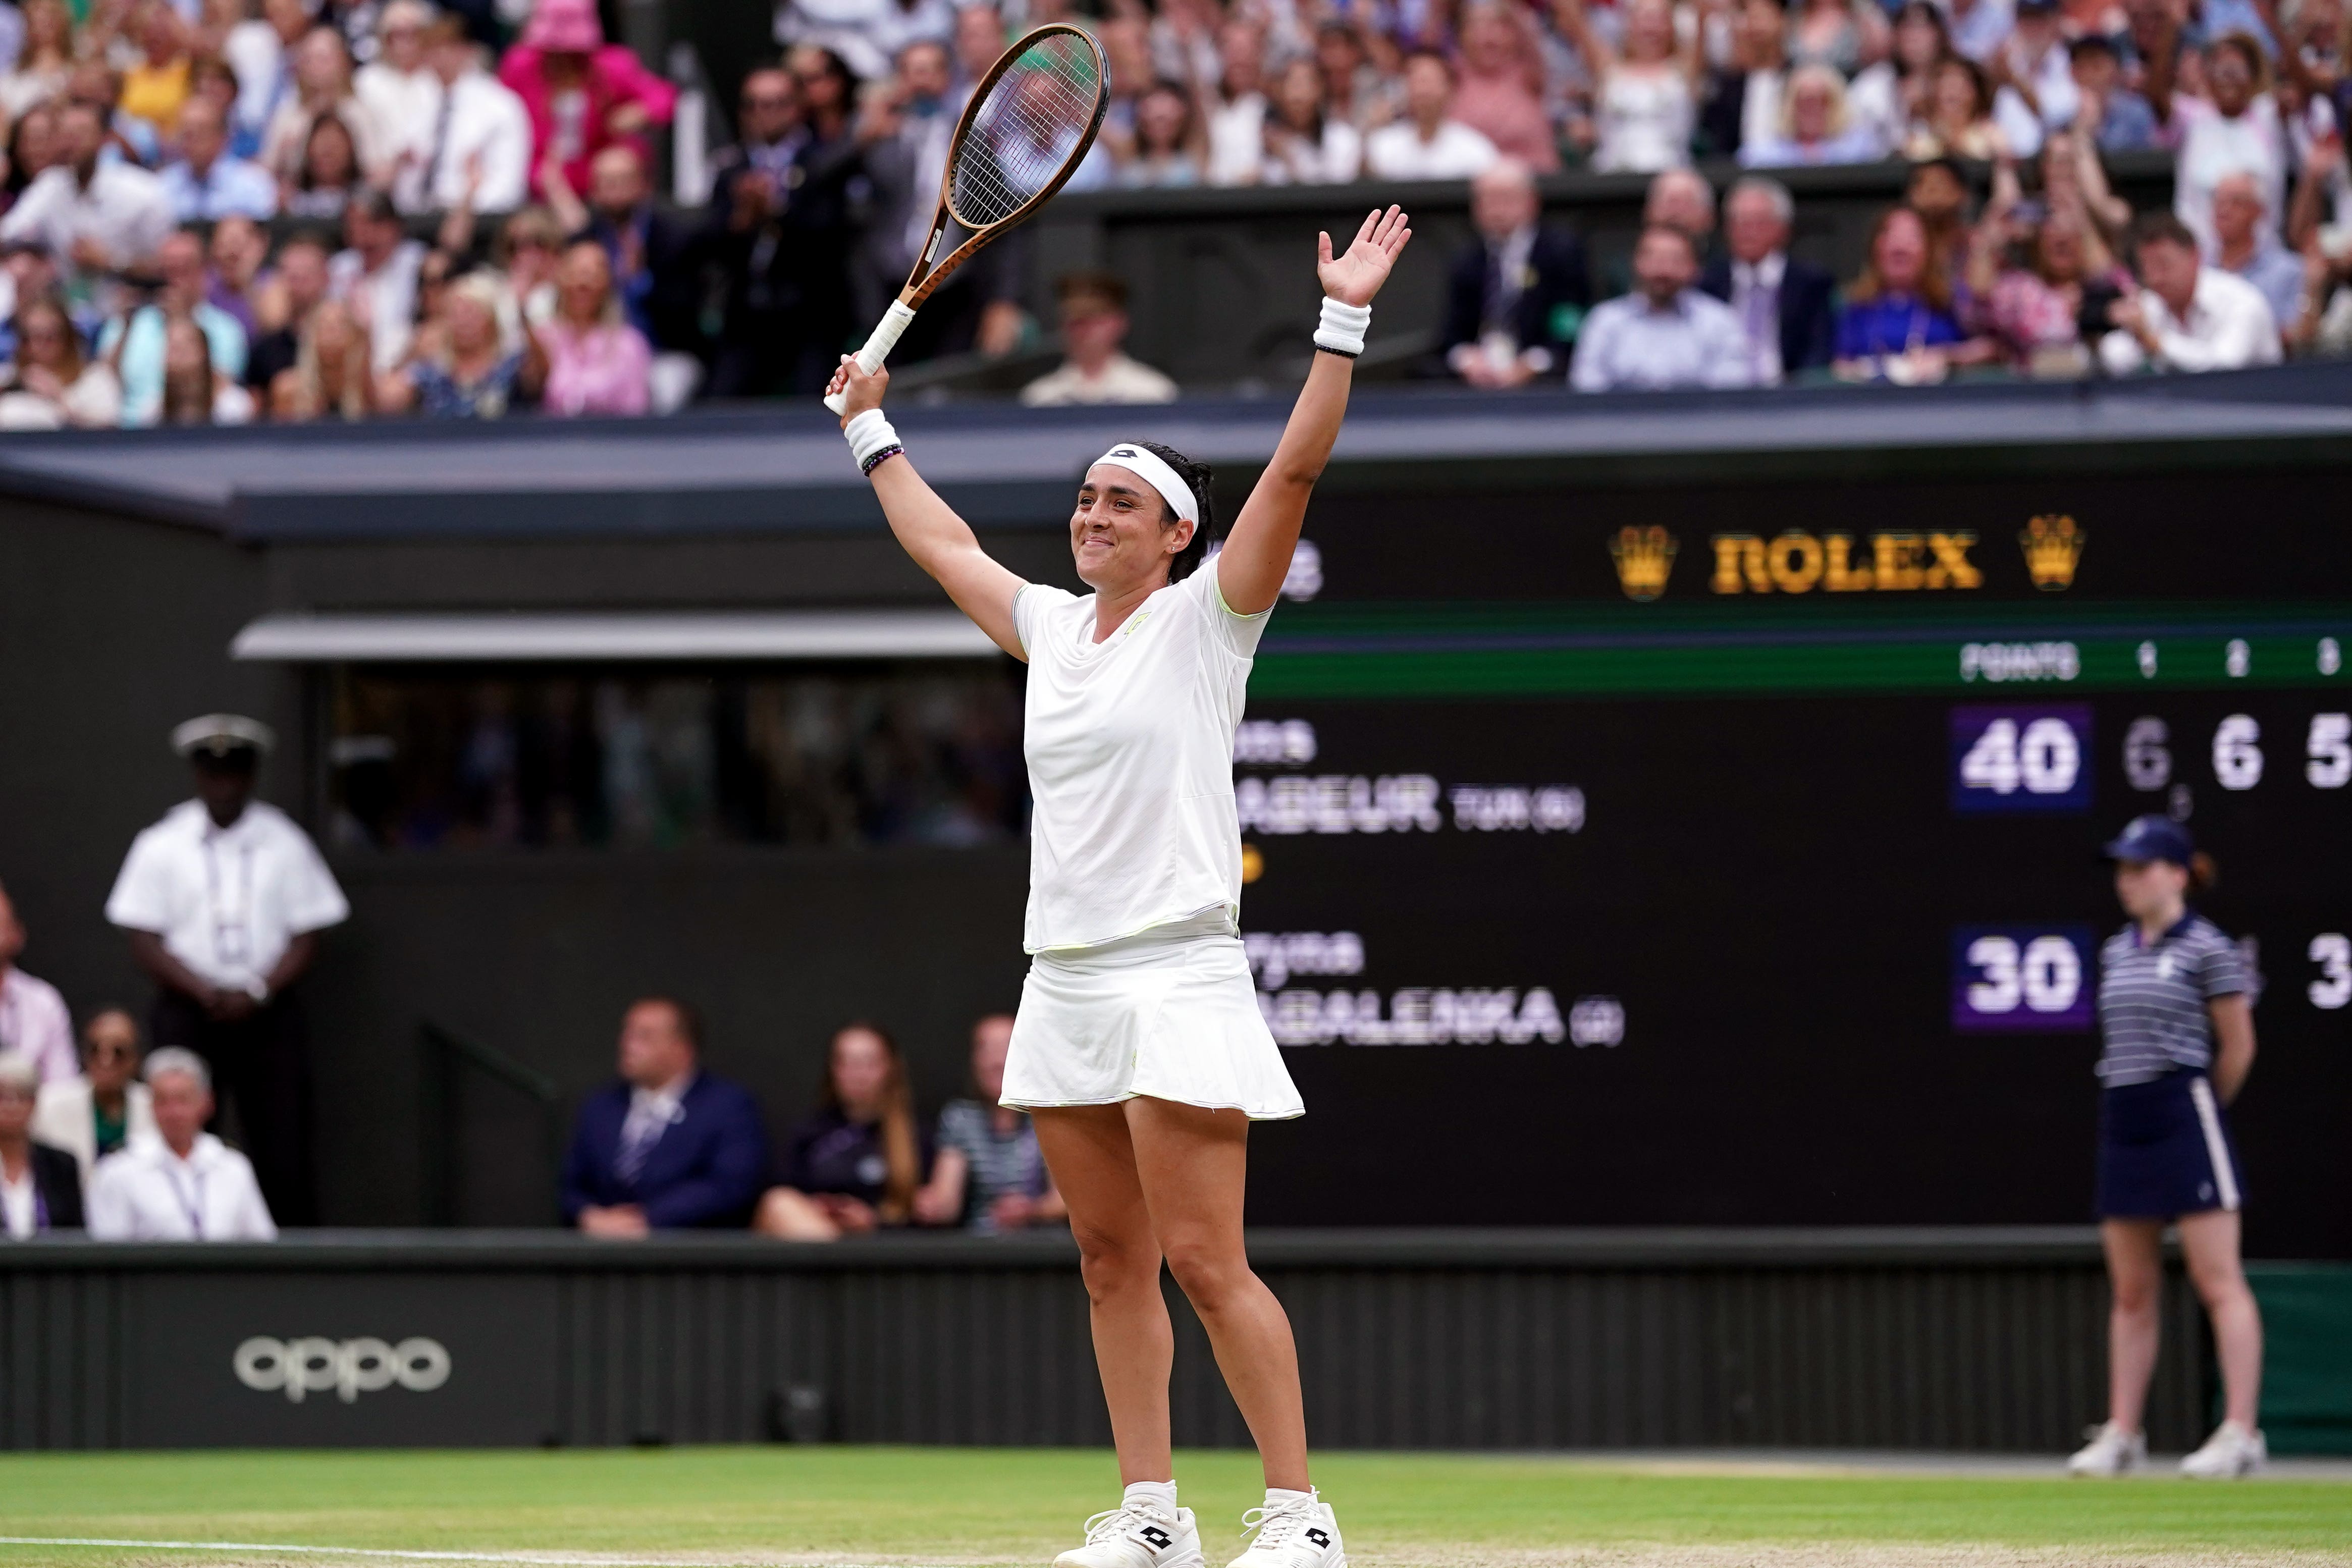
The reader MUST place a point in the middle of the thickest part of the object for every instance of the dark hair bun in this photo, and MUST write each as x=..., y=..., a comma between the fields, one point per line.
x=2203, y=875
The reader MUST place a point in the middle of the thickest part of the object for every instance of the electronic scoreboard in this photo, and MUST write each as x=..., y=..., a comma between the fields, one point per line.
x=1687, y=857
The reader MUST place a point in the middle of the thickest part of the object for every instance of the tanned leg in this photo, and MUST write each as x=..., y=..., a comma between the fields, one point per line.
x=1094, y=1164
x=1192, y=1163
x=2210, y=1241
x=2136, y=1274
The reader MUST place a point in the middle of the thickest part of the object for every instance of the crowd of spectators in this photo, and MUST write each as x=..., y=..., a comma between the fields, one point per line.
x=222, y=901
x=669, y=1145
x=349, y=208
x=2035, y=286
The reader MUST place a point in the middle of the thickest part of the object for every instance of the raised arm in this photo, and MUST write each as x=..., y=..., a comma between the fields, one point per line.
x=1256, y=556
x=941, y=543
x=2163, y=69
x=1577, y=26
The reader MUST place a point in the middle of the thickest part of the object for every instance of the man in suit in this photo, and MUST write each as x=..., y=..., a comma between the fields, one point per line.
x=40, y=1187
x=656, y=262
x=1517, y=294
x=1787, y=309
x=669, y=1146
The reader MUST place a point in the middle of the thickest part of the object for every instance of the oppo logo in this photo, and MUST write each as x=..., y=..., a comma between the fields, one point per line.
x=350, y=1367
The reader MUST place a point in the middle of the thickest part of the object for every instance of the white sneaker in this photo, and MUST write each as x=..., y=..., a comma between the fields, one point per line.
x=2110, y=1452
x=1299, y=1534
x=2230, y=1452
x=1138, y=1536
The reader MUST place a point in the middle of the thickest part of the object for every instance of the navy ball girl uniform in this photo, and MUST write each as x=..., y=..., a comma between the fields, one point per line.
x=2165, y=1148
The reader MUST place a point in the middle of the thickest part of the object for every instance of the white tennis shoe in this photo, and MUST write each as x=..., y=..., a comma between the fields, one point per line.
x=1140, y=1534
x=2230, y=1452
x=1300, y=1533
x=2111, y=1451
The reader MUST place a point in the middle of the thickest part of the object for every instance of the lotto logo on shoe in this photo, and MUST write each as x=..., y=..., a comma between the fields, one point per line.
x=1320, y=1538
x=347, y=1368
x=1160, y=1538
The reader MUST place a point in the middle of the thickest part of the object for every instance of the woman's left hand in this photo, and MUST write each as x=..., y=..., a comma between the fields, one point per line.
x=1353, y=278
x=855, y=1216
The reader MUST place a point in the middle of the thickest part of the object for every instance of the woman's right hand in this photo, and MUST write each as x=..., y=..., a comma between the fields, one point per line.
x=859, y=391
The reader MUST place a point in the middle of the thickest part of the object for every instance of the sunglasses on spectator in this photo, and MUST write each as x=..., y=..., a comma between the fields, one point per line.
x=113, y=1053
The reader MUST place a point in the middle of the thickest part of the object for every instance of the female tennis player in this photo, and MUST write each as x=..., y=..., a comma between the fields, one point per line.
x=1138, y=1045
x=2179, y=1039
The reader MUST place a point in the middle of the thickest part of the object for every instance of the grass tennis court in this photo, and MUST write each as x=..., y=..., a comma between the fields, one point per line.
x=982, y=1506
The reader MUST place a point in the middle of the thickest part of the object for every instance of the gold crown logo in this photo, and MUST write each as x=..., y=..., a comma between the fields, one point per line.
x=1644, y=558
x=2052, y=545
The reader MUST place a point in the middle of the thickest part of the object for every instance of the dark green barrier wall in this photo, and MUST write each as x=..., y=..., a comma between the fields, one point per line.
x=2306, y=1355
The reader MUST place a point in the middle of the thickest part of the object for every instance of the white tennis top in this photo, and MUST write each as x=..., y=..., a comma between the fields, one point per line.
x=1130, y=750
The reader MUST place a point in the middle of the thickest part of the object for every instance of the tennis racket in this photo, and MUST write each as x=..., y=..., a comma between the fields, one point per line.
x=1030, y=122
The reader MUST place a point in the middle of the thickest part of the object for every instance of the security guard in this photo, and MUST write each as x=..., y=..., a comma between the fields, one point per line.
x=2178, y=1036
x=224, y=899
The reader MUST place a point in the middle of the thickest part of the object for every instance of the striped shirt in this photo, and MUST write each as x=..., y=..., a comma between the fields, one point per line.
x=1000, y=1162
x=2152, y=999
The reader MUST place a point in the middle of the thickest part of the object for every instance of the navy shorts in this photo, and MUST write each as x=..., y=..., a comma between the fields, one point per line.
x=2165, y=1150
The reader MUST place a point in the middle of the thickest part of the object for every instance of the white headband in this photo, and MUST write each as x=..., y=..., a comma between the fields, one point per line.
x=1154, y=470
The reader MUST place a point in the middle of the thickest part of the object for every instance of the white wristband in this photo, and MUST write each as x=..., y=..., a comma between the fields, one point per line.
x=869, y=433
x=1341, y=330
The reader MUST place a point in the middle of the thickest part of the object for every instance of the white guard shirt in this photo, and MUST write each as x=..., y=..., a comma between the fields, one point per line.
x=147, y=1193
x=226, y=900
x=1130, y=748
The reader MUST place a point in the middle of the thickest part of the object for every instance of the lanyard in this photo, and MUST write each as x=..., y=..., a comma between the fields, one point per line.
x=195, y=1210
x=229, y=946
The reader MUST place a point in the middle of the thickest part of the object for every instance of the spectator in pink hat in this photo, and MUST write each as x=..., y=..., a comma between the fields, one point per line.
x=582, y=93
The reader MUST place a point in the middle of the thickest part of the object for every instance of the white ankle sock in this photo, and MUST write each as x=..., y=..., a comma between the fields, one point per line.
x=1160, y=1494
x=1277, y=1497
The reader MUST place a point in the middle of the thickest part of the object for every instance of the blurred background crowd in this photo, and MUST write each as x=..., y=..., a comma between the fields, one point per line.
x=222, y=212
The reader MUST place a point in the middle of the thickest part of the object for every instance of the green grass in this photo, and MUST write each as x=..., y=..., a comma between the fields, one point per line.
x=1002, y=1505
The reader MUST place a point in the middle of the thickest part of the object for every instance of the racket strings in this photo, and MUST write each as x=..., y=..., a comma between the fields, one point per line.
x=1025, y=130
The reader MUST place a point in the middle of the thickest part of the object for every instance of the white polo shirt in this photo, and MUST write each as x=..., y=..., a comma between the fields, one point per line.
x=1396, y=151
x=123, y=208
x=147, y=1193
x=226, y=901
x=2226, y=327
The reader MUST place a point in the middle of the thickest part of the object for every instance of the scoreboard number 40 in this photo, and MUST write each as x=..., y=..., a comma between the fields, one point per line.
x=2015, y=759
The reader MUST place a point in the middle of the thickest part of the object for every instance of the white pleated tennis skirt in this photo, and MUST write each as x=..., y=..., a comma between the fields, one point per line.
x=1168, y=1015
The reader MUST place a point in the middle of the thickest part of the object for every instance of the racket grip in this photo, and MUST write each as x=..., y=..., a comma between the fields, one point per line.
x=878, y=347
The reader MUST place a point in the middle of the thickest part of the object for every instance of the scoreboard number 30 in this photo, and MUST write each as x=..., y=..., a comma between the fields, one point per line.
x=2017, y=758
x=2022, y=978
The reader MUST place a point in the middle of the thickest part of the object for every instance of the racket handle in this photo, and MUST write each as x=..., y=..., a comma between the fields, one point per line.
x=878, y=347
